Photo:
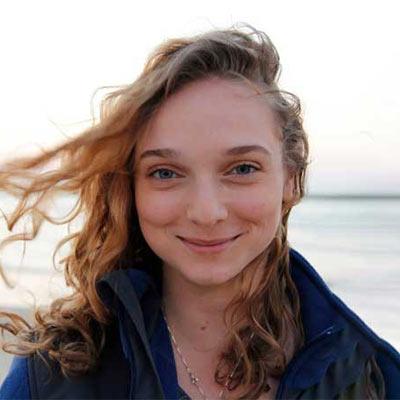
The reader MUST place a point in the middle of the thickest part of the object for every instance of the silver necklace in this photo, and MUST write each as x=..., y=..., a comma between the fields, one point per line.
x=193, y=378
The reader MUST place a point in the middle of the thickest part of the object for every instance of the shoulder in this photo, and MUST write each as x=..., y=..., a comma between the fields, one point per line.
x=103, y=381
x=16, y=383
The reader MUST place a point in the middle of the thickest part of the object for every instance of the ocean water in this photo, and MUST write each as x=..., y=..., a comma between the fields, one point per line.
x=353, y=243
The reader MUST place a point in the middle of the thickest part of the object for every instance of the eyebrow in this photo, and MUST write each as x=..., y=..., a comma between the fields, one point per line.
x=234, y=151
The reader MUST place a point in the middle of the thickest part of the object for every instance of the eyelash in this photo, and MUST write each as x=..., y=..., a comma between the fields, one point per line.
x=151, y=174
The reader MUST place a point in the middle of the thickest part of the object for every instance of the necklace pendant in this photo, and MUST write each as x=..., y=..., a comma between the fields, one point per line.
x=193, y=379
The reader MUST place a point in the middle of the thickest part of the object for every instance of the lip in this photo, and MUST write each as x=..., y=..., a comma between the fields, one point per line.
x=208, y=242
x=213, y=248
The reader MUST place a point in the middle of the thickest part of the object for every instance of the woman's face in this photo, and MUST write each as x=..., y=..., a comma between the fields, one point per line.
x=222, y=176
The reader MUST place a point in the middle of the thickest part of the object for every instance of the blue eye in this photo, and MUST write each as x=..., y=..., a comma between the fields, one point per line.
x=161, y=169
x=246, y=165
x=167, y=176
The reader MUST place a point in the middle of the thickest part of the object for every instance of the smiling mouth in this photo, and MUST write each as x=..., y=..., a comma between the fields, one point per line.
x=208, y=244
x=210, y=248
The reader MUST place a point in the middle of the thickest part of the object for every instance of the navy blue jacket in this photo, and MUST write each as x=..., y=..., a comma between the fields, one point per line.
x=139, y=363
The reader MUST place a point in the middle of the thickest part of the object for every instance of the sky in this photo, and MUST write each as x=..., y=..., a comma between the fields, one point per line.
x=341, y=58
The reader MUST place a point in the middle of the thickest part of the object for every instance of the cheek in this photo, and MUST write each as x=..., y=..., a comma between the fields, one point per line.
x=155, y=208
x=259, y=205
x=261, y=211
x=155, y=214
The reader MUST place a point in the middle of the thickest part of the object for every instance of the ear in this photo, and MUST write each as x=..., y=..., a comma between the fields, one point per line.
x=288, y=189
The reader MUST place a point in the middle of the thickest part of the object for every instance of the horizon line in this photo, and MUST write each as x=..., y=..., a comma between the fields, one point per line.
x=355, y=196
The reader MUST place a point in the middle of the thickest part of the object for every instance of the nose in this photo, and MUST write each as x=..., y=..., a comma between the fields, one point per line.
x=205, y=206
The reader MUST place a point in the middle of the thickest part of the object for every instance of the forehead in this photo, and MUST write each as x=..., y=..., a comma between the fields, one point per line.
x=211, y=115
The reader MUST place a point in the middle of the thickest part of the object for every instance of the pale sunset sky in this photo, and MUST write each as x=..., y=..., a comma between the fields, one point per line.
x=342, y=58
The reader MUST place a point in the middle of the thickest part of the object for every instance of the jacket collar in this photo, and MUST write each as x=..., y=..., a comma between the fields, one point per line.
x=318, y=304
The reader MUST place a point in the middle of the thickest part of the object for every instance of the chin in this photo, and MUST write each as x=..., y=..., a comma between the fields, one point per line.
x=210, y=276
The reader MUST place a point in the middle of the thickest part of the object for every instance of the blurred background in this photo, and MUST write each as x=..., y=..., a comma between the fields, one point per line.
x=340, y=57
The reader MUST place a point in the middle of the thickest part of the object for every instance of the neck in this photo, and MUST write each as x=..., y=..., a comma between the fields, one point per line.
x=196, y=313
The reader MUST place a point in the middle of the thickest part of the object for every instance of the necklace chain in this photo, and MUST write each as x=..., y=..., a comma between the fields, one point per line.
x=193, y=378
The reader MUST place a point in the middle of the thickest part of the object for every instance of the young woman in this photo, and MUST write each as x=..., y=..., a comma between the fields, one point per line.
x=184, y=283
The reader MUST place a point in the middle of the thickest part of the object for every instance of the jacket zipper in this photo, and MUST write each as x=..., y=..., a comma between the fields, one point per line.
x=294, y=361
